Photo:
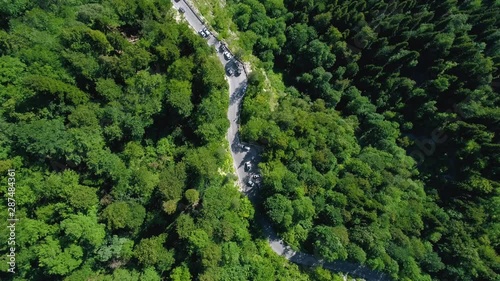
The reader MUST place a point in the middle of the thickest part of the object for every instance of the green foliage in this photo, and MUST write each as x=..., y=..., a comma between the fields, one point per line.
x=150, y=252
x=280, y=210
x=172, y=181
x=55, y=260
x=370, y=84
x=192, y=196
x=355, y=253
x=85, y=229
x=50, y=139
x=327, y=244
x=115, y=248
x=82, y=197
x=179, y=97
x=112, y=110
x=180, y=273
x=123, y=274
x=108, y=89
x=149, y=274
x=124, y=215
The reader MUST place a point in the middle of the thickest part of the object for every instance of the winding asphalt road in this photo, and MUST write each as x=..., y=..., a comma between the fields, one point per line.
x=237, y=87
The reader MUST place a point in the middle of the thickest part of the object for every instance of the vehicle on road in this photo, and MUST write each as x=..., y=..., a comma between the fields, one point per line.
x=243, y=147
x=227, y=55
x=237, y=72
x=222, y=47
x=256, y=176
x=181, y=10
x=248, y=166
x=250, y=183
x=206, y=31
x=230, y=71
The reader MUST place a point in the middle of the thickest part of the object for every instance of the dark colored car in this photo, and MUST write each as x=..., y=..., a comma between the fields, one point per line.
x=222, y=48
x=181, y=10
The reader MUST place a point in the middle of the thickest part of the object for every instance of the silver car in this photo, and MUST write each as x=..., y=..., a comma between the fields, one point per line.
x=207, y=33
x=227, y=55
x=248, y=165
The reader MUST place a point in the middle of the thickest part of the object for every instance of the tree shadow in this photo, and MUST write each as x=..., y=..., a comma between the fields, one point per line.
x=237, y=95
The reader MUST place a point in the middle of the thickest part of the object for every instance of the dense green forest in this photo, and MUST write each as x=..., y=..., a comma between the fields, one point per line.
x=384, y=148
x=113, y=116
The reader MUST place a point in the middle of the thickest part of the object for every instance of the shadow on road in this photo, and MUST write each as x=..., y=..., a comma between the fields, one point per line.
x=237, y=96
x=235, y=145
x=305, y=259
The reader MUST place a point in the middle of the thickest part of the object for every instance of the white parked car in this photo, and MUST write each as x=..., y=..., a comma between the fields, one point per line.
x=207, y=33
x=227, y=55
x=204, y=32
x=248, y=166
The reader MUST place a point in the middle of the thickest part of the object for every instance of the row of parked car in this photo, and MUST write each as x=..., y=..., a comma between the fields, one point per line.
x=225, y=51
x=204, y=33
x=235, y=71
x=254, y=179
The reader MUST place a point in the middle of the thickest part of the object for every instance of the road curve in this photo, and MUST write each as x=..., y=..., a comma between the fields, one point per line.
x=237, y=86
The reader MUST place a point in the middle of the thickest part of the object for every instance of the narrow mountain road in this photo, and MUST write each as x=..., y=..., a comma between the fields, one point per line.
x=240, y=155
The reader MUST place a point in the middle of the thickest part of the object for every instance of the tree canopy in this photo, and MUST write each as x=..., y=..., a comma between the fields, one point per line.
x=114, y=118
